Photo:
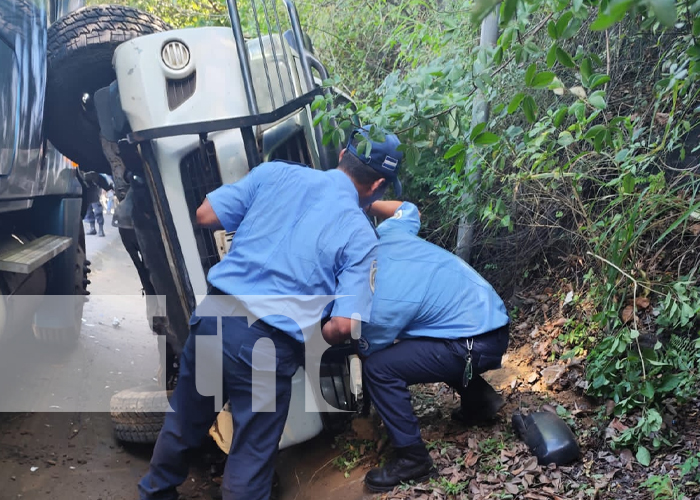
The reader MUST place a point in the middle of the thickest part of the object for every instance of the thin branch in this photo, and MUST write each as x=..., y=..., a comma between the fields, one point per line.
x=634, y=307
x=607, y=56
x=323, y=467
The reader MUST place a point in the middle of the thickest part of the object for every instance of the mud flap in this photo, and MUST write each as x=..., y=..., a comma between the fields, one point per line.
x=59, y=317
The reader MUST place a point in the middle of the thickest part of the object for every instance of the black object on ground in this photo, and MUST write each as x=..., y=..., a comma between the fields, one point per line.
x=549, y=438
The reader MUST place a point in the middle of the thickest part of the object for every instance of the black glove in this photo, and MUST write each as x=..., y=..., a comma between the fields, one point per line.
x=96, y=179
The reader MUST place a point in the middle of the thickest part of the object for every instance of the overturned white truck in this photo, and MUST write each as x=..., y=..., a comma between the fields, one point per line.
x=180, y=113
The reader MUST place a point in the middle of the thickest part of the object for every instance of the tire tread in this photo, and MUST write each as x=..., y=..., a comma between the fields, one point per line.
x=138, y=414
x=80, y=47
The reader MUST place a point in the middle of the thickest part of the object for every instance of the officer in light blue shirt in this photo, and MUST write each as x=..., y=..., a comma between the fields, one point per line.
x=299, y=232
x=450, y=326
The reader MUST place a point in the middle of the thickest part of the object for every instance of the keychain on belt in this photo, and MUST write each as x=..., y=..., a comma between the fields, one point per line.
x=468, y=367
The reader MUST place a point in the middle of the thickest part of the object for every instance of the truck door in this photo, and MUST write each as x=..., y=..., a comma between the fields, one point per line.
x=9, y=109
x=22, y=82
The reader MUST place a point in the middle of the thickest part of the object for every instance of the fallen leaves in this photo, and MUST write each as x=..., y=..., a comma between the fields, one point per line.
x=558, y=323
x=626, y=458
x=471, y=459
x=642, y=302
x=512, y=488
x=627, y=314
x=552, y=374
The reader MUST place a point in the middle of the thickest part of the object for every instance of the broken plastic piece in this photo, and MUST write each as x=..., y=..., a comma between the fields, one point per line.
x=547, y=436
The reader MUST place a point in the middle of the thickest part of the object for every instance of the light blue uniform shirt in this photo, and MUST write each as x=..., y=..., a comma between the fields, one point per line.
x=422, y=290
x=299, y=231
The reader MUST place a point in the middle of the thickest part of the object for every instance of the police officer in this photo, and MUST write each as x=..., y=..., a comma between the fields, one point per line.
x=451, y=326
x=299, y=231
x=94, y=184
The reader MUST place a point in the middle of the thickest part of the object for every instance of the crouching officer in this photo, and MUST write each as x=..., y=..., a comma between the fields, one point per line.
x=299, y=231
x=451, y=326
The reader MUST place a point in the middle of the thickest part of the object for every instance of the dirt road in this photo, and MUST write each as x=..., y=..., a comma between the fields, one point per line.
x=67, y=455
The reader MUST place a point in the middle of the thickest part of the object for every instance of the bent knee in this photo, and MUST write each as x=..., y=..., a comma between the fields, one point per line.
x=370, y=368
x=377, y=369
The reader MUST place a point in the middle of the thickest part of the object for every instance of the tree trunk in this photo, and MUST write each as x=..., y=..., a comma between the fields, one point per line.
x=480, y=114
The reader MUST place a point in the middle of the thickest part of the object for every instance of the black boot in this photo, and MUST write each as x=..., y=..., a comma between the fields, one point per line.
x=102, y=230
x=480, y=403
x=92, y=231
x=412, y=463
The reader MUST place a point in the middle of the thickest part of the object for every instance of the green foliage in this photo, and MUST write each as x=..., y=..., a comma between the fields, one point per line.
x=617, y=370
x=363, y=42
x=490, y=447
x=681, y=305
x=691, y=467
x=200, y=13
x=661, y=488
x=577, y=337
x=352, y=453
x=450, y=489
x=634, y=376
x=181, y=14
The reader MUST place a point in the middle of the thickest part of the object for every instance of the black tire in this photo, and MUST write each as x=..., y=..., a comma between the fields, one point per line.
x=70, y=335
x=138, y=414
x=80, y=48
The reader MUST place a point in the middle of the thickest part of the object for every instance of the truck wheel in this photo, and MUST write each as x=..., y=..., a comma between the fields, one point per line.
x=138, y=414
x=80, y=47
x=70, y=335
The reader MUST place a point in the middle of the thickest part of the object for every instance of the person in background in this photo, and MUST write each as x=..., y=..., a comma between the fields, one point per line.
x=112, y=201
x=94, y=184
x=451, y=326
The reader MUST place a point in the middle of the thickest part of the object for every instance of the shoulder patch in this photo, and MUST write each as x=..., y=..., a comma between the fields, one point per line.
x=372, y=275
x=363, y=344
x=398, y=214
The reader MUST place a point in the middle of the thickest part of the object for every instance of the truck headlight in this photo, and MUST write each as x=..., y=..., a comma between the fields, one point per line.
x=175, y=55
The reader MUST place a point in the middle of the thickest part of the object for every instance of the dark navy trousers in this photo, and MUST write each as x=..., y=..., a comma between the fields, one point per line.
x=250, y=465
x=388, y=373
x=94, y=214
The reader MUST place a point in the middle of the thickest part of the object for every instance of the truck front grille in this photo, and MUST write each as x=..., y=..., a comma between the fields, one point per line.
x=200, y=175
x=180, y=90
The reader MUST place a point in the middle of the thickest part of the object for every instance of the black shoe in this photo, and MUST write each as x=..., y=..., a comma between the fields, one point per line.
x=412, y=464
x=91, y=232
x=473, y=418
x=101, y=232
x=480, y=403
x=114, y=222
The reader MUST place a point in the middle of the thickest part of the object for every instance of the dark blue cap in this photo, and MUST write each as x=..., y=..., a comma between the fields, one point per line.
x=383, y=158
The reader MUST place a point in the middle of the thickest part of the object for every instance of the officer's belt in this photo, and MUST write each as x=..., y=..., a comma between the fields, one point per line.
x=260, y=323
x=496, y=331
